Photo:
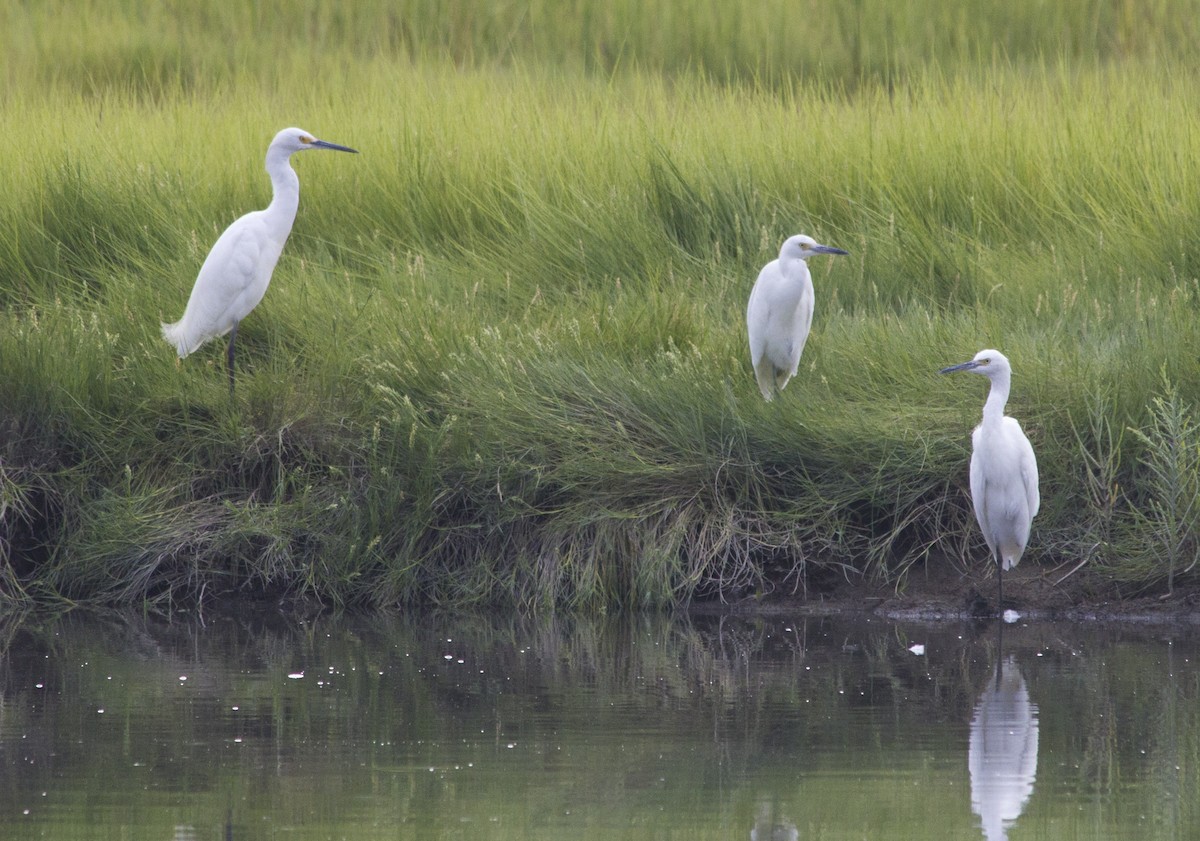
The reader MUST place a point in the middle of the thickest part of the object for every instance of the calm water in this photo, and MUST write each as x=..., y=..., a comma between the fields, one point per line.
x=703, y=728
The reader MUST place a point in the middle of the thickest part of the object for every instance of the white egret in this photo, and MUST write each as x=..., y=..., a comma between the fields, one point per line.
x=780, y=312
x=236, y=272
x=1004, y=472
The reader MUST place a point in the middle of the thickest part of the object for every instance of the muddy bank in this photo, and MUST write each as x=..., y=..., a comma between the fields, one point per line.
x=941, y=591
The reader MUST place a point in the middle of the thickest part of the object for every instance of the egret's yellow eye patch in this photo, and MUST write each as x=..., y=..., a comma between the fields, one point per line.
x=304, y=138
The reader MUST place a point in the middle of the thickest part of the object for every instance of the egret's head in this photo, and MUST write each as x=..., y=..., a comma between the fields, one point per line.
x=986, y=362
x=297, y=140
x=802, y=246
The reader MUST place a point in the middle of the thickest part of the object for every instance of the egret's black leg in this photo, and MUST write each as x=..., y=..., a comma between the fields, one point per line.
x=229, y=356
x=999, y=652
x=1000, y=588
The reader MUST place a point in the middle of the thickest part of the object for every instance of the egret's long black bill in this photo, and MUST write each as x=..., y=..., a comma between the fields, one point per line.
x=828, y=249
x=324, y=144
x=962, y=366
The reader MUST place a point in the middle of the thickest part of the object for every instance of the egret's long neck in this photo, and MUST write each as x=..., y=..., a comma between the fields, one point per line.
x=993, y=409
x=281, y=212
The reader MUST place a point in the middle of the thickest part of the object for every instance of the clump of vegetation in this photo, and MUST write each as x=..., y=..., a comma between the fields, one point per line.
x=503, y=358
x=1168, y=520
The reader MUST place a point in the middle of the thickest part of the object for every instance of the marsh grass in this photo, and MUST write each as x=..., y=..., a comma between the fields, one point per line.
x=502, y=359
x=1171, y=469
x=151, y=50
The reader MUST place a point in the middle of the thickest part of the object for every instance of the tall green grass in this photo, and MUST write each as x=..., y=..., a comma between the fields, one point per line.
x=153, y=49
x=502, y=358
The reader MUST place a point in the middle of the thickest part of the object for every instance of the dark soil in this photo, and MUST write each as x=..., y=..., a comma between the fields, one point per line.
x=941, y=590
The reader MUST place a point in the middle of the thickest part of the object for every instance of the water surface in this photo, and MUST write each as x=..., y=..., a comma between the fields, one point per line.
x=444, y=727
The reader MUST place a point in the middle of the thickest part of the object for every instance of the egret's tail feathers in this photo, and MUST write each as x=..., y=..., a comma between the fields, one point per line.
x=178, y=338
x=767, y=376
x=1010, y=555
x=781, y=379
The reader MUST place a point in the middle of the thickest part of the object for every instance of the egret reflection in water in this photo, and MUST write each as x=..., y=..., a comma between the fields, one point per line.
x=770, y=825
x=1002, y=756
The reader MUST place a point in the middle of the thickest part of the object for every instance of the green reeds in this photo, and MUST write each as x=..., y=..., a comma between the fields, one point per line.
x=502, y=359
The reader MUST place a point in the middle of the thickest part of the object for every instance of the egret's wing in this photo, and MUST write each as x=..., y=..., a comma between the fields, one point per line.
x=234, y=276
x=979, y=486
x=802, y=325
x=231, y=264
x=758, y=311
x=1027, y=462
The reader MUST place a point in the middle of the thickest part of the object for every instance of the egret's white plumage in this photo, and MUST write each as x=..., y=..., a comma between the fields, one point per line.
x=238, y=269
x=780, y=312
x=1004, y=472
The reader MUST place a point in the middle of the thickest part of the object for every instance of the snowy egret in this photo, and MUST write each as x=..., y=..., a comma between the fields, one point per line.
x=236, y=272
x=1004, y=472
x=780, y=311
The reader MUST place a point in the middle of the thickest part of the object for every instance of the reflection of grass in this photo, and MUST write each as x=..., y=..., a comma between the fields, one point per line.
x=1128, y=721
x=502, y=359
x=631, y=722
x=590, y=716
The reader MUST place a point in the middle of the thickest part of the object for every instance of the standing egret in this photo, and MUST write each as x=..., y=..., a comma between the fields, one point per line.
x=1004, y=473
x=236, y=272
x=780, y=312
